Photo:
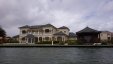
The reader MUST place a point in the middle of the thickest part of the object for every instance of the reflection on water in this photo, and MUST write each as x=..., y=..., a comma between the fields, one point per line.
x=56, y=55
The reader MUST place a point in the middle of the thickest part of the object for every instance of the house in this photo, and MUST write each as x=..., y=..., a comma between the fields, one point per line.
x=16, y=37
x=88, y=36
x=105, y=36
x=39, y=33
x=72, y=36
x=1, y=40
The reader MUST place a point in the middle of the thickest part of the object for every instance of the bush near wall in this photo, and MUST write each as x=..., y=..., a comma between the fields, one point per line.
x=13, y=41
x=106, y=42
x=71, y=42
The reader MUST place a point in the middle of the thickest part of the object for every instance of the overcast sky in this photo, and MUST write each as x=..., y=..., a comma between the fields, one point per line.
x=75, y=14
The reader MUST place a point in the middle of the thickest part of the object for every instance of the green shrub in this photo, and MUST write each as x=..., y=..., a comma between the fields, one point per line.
x=55, y=42
x=71, y=42
x=104, y=42
x=13, y=41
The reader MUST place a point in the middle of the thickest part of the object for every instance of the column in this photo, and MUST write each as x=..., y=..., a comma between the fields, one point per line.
x=98, y=37
x=27, y=40
x=34, y=40
x=38, y=39
x=56, y=38
x=31, y=40
x=64, y=38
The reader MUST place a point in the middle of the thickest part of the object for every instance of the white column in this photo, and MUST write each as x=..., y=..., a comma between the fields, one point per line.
x=56, y=38
x=34, y=40
x=27, y=40
x=64, y=39
x=38, y=39
x=31, y=40
x=52, y=42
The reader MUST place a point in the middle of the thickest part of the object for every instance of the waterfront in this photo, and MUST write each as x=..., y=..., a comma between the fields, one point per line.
x=59, y=55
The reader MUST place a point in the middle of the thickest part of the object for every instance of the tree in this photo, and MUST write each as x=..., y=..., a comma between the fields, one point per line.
x=2, y=34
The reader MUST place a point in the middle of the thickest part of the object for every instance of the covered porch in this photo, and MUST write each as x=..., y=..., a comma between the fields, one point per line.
x=60, y=36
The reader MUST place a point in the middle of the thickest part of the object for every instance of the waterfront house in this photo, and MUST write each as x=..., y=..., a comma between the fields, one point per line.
x=40, y=33
x=88, y=35
x=105, y=35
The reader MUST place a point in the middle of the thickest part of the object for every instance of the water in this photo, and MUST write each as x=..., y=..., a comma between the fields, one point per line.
x=56, y=55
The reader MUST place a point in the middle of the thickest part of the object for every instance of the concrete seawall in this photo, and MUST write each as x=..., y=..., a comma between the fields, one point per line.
x=46, y=45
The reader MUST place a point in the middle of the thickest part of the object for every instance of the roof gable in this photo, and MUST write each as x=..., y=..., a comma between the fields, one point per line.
x=63, y=27
x=87, y=30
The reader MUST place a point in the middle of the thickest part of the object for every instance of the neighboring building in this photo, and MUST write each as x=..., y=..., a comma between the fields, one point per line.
x=8, y=39
x=16, y=38
x=105, y=36
x=1, y=40
x=39, y=33
x=112, y=34
x=72, y=36
x=88, y=35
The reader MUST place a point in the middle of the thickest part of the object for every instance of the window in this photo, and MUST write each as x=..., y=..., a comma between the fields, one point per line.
x=40, y=38
x=64, y=31
x=47, y=30
x=23, y=38
x=108, y=38
x=24, y=32
x=47, y=38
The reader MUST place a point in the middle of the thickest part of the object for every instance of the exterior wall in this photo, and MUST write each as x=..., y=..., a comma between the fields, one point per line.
x=22, y=35
x=105, y=36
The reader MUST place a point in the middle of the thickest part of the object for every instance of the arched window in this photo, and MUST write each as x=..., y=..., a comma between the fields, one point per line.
x=40, y=39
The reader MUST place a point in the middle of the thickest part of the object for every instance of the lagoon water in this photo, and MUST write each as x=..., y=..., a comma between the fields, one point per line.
x=56, y=55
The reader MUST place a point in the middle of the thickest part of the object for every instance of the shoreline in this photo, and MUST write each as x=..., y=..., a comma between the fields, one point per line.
x=60, y=46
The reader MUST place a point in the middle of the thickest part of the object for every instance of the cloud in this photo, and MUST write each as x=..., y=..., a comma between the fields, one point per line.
x=76, y=14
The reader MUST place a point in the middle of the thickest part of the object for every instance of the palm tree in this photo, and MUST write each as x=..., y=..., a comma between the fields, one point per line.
x=2, y=34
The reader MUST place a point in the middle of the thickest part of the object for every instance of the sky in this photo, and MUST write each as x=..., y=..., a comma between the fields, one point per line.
x=75, y=14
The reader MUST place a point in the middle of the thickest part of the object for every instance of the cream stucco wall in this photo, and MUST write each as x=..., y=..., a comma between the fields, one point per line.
x=105, y=36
